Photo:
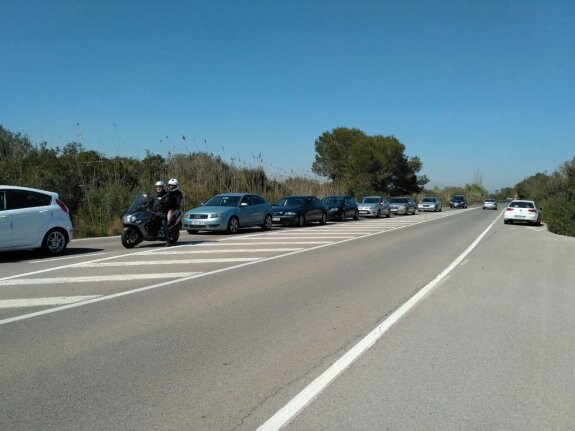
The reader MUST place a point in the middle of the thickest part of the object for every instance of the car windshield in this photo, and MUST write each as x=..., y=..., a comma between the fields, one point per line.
x=370, y=201
x=290, y=202
x=428, y=200
x=521, y=205
x=489, y=200
x=398, y=200
x=458, y=198
x=332, y=201
x=223, y=201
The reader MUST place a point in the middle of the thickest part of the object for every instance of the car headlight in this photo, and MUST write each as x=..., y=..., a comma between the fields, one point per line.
x=290, y=213
x=217, y=215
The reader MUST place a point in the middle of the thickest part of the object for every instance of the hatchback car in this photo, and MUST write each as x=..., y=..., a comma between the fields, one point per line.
x=298, y=210
x=430, y=204
x=489, y=204
x=458, y=201
x=374, y=206
x=33, y=218
x=523, y=211
x=341, y=207
x=402, y=205
x=229, y=212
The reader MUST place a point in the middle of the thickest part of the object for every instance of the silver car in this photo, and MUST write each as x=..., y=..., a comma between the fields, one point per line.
x=33, y=218
x=489, y=204
x=430, y=203
x=402, y=205
x=374, y=206
x=229, y=212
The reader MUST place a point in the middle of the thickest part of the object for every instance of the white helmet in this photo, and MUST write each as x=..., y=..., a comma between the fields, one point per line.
x=173, y=184
x=160, y=184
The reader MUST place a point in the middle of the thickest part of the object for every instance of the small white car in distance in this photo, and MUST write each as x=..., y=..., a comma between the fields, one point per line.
x=430, y=203
x=374, y=206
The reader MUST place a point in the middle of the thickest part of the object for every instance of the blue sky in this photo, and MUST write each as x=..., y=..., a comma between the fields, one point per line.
x=475, y=89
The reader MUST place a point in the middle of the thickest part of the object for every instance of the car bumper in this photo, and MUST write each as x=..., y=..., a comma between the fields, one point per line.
x=398, y=210
x=368, y=213
x=205, y=224
x=284, y=219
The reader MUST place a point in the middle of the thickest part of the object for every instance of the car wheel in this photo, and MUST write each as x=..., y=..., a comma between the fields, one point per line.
x=55, y=241
x=233, y=225
x=388, y=215
x=267, y=222
x=301, y=220
x=378, y=215
x=356, y=215
x=192, y=231
x=323, y=218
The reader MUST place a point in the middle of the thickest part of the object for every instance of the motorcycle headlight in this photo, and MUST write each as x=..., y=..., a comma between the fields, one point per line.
x=129, y=218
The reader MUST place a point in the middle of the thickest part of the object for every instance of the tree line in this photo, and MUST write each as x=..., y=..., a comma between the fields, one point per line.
x=98, y=189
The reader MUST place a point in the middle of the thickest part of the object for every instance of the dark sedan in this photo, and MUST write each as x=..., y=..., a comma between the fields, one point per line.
x=341, y=207
x=299, y=210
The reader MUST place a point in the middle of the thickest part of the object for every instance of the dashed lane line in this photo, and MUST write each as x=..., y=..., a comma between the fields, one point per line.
x=94, y=279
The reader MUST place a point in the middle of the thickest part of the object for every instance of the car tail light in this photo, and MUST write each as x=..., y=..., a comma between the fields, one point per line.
x=63, y=206
x=509, y=209
x=532, y=211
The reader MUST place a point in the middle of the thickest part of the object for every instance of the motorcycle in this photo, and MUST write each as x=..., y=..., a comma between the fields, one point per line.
x=142, y=223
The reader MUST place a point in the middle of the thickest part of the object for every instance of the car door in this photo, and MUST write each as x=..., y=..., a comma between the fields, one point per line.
x=5, y=223
x=312, y=210
x=31, y=215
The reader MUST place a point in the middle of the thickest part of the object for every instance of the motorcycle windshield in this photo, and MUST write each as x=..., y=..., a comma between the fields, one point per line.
x=139, y=201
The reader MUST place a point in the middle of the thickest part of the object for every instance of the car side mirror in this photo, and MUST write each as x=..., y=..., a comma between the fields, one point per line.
x=244, y=204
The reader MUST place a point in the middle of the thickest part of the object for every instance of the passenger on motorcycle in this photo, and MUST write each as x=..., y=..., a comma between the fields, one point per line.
x=175, y=197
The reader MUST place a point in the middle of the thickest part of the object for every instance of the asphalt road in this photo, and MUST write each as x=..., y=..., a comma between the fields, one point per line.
x=230, y=332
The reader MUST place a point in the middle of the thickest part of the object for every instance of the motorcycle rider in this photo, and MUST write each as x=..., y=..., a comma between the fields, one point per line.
x=161, y=205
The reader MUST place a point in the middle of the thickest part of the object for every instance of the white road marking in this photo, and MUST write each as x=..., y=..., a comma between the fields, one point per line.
x=95, y=279
x=42, y=302
x=76, y=256
x=309, y=393
x=235, y=250
x=168, y=262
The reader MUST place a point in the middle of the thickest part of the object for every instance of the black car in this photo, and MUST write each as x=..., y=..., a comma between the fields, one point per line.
x=340, y=207
x=458, y=201
x=298, y=210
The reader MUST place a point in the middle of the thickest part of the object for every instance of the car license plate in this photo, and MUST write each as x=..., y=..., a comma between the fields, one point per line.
x=363, y=212
x=275, y=219
x=519, y=216
x=198, y=222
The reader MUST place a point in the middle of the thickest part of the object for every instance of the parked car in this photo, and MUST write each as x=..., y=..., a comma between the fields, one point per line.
x=489, y=204
x=458, y=201
x=33, y=218
x=374, y=206
x=340, y=207
x=430, y=203
x=523, y=211
x=402, y=205
x=229, y=212
x=299, y=210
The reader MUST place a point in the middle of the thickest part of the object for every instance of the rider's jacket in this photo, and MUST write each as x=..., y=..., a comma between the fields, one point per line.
x=163, y=202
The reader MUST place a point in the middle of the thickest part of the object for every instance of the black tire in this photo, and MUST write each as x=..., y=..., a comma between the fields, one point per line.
x=268, y=222
x=301, y=220
x=233, y=225
x=356, y=215
x=378, y=215
x=388, y=215
x=55, y=242
x=131, y=237
x=323, y=219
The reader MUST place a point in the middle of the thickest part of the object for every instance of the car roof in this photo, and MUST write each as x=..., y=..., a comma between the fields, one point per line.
x=29, y=189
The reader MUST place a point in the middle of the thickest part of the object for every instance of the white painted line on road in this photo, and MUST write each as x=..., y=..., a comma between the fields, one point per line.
x=95, y=278
x=272, y=241
x=235, y=250
x=168, y=262
x=309, y=393
x=43, y=302
x=76, y=256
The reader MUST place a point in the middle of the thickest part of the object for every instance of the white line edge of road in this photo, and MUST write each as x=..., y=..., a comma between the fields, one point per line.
x=287, y=413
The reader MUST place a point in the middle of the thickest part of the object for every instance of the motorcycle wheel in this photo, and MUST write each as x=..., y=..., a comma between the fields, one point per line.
x=131, y=237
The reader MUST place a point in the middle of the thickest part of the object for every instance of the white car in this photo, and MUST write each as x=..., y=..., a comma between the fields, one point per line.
x=33, y=218
x=523, y=211
x=374, y=206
